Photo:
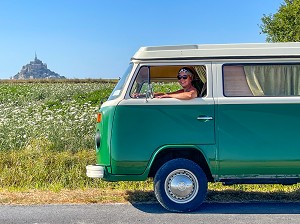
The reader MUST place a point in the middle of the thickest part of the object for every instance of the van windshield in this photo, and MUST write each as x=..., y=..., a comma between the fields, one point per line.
x=119, y=87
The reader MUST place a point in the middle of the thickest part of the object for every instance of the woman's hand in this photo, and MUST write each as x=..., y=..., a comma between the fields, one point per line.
x=135, y=95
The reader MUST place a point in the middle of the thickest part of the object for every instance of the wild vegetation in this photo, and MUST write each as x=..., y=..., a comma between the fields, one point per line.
x=47, y=133
x=47, y=139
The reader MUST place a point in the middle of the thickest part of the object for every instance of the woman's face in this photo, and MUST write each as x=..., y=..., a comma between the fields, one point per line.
x=184, y=79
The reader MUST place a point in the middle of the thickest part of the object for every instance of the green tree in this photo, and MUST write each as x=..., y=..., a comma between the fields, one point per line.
x=283, y=26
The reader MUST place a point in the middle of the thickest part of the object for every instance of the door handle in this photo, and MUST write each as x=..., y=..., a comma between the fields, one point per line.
x=204, y=118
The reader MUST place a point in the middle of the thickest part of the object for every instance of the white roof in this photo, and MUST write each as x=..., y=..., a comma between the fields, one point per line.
x=290, y=49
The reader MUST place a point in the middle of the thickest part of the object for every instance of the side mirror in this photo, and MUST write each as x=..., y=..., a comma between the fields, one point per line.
x=149, y=93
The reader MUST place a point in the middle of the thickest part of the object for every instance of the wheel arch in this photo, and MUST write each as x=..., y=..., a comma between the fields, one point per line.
x=168, y=153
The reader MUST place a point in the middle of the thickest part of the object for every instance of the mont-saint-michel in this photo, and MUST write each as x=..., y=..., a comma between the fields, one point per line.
x=37, y=70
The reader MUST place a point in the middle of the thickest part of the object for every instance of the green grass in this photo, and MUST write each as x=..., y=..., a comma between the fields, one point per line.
x=39, y=167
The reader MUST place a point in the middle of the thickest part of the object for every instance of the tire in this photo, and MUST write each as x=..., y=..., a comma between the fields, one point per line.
x=180, y=185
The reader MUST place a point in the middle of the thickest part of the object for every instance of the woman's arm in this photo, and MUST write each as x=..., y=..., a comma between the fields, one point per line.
x=181, y=95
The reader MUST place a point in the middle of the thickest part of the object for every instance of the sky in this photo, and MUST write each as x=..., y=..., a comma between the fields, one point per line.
x=97, y=38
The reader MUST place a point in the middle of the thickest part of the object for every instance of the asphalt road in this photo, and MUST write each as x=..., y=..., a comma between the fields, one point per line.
x=263, y=213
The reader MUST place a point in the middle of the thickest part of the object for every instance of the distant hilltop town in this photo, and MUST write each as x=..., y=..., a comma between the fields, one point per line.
x=37, y=70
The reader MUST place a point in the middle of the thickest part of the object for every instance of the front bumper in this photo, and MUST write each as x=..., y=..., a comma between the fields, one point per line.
x=95, y=171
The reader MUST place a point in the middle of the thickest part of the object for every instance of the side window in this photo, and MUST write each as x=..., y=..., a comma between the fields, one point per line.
x=261, y=80
x=163, y=79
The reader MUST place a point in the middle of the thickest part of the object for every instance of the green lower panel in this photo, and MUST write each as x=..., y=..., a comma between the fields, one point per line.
x=259, y=139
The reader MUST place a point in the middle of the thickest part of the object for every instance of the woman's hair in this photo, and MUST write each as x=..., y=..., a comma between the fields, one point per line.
x=196, y=82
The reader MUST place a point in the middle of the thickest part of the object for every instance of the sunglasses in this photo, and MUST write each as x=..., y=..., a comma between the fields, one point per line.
x=182, y=77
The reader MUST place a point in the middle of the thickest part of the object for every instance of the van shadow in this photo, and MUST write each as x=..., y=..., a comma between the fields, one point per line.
x=227, y=202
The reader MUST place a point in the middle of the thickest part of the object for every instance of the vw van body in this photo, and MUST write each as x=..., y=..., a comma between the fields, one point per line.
x=244, y=129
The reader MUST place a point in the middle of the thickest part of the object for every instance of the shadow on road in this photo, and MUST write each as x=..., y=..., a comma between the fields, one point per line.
x=231, y=208
x=227, y=202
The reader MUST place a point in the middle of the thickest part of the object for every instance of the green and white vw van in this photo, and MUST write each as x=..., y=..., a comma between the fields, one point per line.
x=245, y=129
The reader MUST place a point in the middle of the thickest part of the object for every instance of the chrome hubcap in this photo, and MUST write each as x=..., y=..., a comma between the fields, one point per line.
x=181, y=186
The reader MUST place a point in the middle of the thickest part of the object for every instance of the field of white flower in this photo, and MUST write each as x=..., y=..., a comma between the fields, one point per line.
x=61, y=113
x=47, y=134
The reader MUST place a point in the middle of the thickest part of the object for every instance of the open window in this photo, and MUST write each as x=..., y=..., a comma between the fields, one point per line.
x=156, y=79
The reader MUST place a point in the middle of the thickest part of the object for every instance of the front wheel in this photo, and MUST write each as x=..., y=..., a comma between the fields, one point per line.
x=180, y=185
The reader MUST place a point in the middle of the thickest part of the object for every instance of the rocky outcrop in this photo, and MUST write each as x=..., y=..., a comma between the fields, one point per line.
x=36, y=70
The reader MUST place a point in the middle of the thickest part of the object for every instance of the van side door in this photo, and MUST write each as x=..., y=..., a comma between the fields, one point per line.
x=143, y=125
x=259, y=120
